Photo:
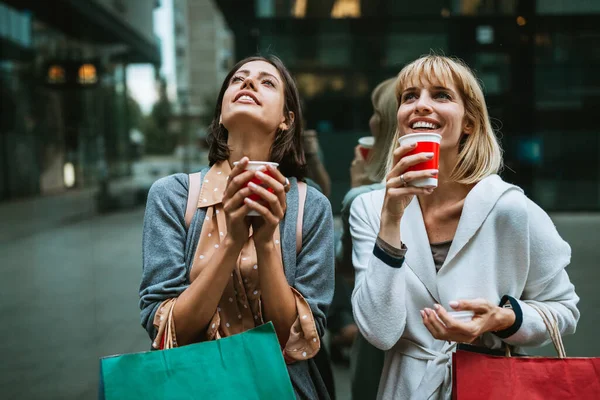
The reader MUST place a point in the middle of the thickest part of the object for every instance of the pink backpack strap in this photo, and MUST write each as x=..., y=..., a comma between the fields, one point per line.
x=301, y=200
x=192, y=200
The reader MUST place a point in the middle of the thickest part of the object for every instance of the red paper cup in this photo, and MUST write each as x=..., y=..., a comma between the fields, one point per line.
x=365, y=145
x=426, y=143
x=254, y=166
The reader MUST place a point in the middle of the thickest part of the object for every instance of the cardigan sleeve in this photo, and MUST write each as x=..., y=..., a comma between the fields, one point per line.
x=378, y=299
x=164, y=271
x=548, y=284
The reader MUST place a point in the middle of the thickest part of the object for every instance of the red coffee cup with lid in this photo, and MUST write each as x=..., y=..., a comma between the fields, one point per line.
x=426, y=143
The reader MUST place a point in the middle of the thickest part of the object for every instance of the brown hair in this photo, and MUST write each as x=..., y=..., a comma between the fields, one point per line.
x=287, y=147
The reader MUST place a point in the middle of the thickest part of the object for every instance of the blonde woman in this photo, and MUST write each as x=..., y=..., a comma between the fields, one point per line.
x=473, y=243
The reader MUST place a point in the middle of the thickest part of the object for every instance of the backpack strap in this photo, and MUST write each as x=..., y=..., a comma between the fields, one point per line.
x=192, y=200
x=301, y=200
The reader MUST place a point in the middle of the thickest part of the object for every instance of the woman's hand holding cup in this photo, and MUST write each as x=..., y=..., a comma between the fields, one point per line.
x=399, y=192
x=235, y=207
x=270, y=205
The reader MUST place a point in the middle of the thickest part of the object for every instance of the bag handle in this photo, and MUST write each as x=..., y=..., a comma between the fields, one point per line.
x=192, y=200
x=552, y=327
x=301, y=200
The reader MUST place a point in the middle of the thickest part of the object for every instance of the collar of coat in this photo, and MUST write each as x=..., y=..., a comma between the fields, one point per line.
x=478, y=205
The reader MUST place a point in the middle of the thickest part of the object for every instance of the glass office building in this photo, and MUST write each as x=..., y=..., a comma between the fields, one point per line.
x=538, y=62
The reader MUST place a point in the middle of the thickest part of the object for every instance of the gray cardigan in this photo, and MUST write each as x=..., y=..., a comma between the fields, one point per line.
x=168, y=249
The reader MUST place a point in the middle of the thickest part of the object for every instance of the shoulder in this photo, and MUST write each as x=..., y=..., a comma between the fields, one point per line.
x=317, y=201
x=353, y=193
x=370, y=202
x=172, y=189
x=169, y=184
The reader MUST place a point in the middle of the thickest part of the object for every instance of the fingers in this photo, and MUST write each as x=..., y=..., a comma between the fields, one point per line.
x=236, y=182
x=433, y=324
x=276, y=182
x=401, y=151
x=357, y=153
x=235, y=202
x=397, y=181
x=271, y=199
x=262, y=210
x=404, y=163
x=479, y=305
x=239, y=167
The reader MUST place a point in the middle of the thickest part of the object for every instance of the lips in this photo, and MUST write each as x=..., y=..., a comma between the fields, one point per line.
x=246, y=97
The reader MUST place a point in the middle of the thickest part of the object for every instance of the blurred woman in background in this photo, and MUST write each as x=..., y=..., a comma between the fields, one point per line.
x=366, y=361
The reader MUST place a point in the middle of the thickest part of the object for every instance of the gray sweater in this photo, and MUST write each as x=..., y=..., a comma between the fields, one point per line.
x=168, y=249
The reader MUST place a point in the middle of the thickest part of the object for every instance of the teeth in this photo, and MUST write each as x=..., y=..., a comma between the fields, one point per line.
x=245, y=97
x=423, y=124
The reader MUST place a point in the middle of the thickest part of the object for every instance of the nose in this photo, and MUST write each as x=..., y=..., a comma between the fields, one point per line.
x=423, y=104
x=249, y=83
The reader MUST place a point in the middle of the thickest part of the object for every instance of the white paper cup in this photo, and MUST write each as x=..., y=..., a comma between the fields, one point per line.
x=426, y=143
x=254, y=166
x=462, y=316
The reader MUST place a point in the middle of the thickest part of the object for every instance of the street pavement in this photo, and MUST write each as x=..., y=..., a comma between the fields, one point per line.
x=70, y=296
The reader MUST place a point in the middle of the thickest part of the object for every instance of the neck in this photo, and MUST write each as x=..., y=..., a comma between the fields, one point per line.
x=448, y=192
x=252, y=143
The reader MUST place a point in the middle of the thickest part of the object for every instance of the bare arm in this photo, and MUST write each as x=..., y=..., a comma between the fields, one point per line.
x=196, y=306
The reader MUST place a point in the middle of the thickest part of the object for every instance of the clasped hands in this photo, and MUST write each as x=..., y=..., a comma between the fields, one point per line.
x=488, y=318
x=271, y=205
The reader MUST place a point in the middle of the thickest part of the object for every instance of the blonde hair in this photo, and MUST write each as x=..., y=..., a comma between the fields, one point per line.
x=480, y=154
x=386, y=106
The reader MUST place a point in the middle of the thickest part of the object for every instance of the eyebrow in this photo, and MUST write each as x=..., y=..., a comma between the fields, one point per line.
x=260, y=74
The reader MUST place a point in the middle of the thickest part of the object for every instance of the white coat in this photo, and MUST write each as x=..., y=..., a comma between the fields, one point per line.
x=504, y=245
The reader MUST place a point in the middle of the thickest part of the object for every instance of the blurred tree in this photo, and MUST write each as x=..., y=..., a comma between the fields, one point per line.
x=155, y=126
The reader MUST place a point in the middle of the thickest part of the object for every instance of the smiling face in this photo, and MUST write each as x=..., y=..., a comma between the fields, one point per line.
x=433, y=108
x=254, y=98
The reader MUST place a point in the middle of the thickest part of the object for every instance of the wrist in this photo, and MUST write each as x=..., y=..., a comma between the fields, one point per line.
x=264, y=247
x=232, y=243
x=504, y=318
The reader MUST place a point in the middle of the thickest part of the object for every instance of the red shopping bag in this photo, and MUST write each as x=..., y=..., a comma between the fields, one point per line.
x=477, y=376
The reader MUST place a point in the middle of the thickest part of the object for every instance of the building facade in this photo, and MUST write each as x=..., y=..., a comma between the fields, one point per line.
x=65, y=108
x=537, y=60
x=203, y=56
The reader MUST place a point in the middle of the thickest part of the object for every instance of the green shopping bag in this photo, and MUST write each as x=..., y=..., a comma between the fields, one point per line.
x=244, y=366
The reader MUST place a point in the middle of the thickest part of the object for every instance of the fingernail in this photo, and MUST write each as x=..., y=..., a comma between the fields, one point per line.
x=260, y=174
x=429, y=156
x=248, y=200
x=252, y=185
x=427, y=311
x=453, y=304
x=434, y=172
x=412, y=145
x=437, y=306
x=422, y=313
